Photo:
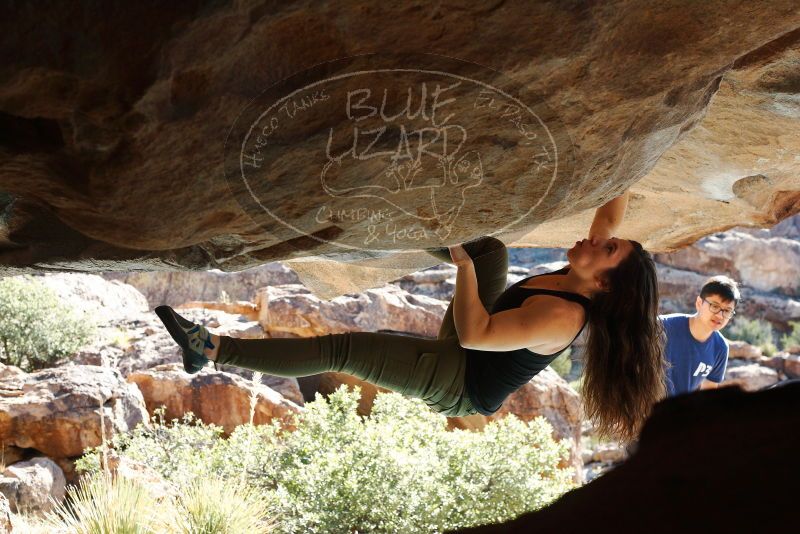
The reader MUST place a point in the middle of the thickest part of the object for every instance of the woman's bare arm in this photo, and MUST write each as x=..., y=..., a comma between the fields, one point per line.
x=608, y=217
x=550, y=324
x=469, y=313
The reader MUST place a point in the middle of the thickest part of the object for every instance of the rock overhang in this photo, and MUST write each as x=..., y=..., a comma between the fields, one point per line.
x=112, y=156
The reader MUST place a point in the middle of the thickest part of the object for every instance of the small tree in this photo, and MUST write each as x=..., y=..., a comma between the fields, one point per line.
x=37, y=328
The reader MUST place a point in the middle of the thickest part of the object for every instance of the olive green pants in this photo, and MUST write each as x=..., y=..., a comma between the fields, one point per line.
x=430, y=369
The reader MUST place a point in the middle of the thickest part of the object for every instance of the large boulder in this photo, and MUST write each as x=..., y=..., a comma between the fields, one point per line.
x=141, y=342
x=103, y=300
x=33, y=486
x=750, y=377
x=176, y=288
x=743, y=350
x=103, y=171
x=791, y=365
x=771, y=264
x=130, y=344
x=58, y=411
x=437, y=282
x=294, y=310
x=679, y=288
x=214, y=397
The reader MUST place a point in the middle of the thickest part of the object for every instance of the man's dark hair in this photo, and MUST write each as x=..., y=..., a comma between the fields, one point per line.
x=726, y=288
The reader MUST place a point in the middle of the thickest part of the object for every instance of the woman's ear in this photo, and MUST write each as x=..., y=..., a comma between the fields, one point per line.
x=601, y=283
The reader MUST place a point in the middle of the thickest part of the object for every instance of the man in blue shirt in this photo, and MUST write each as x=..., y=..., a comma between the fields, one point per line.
x=696, y=351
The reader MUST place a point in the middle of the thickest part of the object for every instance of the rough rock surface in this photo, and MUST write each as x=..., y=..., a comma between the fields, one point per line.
x=750, y=377
x=748, y=430
x=38, y=480
x=95, y=296
x=678, y=290
x=175, y=288
x=99, y=151
x=214, y=397
x=791, y=366
x=57, y=411
x=771, y=264
x=609, y=453
x=294, y=310
x=439, y=282
x=141, y=342
x=744, y=350
x=6, y=525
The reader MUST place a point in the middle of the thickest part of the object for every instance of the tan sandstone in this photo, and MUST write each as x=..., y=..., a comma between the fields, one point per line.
x=214, y=397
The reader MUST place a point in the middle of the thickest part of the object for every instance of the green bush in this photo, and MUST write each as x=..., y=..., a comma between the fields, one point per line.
x=37, y=328
x=102, y=505
x=398, y=470
x=757, y=332
x=211, y=505
x=791, y=339
x=563, y=364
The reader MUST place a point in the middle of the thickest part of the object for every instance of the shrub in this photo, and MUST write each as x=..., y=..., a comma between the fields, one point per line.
x=753, y=331
x=37, y=328
x=213, y=506
x=101, y=505
x=563, y=364
x=791, y=339
x=398, y=470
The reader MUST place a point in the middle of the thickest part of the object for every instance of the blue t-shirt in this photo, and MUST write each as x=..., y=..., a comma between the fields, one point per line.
x=691, y=361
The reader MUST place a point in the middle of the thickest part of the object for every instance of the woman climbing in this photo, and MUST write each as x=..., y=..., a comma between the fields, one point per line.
x=480, y=357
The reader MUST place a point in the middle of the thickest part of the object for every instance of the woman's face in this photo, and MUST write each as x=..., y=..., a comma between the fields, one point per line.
x=592, y=257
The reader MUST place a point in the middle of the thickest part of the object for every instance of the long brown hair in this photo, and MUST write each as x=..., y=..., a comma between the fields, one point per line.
x=624, y=373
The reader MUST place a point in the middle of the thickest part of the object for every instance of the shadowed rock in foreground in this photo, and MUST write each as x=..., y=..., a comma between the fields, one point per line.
x=719, y=461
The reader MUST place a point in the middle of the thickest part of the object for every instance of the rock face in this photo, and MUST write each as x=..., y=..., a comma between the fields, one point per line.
x=214, y=397
x=678, y=290
x=771, y=264
x=750, y=377
x=6, y=526
x=662, y=476
x=100, y=168
x=744, y=350
x=179, y=287
x=57, y=411
x=294, y=310
x=791, y=366
x=35, y=482
x=91, y=294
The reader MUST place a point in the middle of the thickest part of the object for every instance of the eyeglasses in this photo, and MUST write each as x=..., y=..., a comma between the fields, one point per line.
x=727, y=313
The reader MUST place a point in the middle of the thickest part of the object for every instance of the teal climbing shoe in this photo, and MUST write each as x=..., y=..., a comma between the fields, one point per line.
x=191, y=337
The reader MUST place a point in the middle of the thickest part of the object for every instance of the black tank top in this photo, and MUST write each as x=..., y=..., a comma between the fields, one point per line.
x=491, y=376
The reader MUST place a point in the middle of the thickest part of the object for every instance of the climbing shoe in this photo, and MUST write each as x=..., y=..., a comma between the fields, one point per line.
x=191, y=337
